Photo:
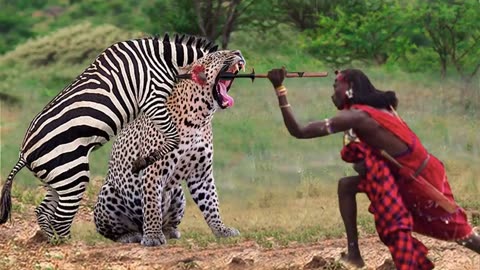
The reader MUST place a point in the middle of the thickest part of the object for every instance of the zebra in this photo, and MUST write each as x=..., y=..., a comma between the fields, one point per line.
x=127, y=79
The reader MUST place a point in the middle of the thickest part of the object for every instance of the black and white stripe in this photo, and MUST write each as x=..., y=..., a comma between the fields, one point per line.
x=128, y=78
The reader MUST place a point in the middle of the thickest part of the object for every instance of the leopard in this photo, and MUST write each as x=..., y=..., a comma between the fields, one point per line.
x=147, y=207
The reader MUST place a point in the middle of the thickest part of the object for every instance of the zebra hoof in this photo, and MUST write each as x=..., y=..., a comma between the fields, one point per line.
x=39, y=237
x=139, y=165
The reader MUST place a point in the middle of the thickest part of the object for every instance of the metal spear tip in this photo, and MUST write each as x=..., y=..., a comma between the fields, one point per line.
x=231, y=76
x=184, y=76
x=227, y=75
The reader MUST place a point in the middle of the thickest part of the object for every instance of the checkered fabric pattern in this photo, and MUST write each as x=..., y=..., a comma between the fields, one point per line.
x=393, y=221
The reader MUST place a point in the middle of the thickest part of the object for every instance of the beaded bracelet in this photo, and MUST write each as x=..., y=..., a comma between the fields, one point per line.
x=281, y=90
x=282, y=93
x=327, y=126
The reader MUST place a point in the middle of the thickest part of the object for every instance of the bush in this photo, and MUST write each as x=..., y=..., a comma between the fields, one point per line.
x=420, y=60
x=71, y=45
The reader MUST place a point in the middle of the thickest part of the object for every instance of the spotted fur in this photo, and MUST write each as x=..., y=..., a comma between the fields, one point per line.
x=148, y=207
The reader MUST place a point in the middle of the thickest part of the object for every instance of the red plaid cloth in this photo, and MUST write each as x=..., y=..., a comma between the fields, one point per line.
x=393, y=221
x=399, y=206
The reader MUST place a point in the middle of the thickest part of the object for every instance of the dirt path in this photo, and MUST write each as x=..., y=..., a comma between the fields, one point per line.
x=19, y=251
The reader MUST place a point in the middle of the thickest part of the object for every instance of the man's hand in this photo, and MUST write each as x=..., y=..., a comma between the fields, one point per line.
x=276, y=76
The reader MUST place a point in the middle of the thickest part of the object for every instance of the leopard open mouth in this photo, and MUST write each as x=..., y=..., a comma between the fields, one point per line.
x=221, y=87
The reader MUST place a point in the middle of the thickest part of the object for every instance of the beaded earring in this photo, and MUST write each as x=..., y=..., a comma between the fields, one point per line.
x=349, y=93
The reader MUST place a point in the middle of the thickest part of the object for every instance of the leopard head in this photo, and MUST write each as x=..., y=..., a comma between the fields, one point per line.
x=205, y=80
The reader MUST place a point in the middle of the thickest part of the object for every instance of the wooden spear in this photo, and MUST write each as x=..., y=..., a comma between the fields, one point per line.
x=252, y=76
x=428, y=189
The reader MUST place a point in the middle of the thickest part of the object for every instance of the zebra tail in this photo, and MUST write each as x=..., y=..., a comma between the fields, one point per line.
x=6, y=199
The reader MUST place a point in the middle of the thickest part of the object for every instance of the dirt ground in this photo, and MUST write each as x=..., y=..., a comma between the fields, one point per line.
x=20, y=251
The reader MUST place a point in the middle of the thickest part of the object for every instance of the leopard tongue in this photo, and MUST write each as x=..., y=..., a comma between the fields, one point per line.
x=222, y=90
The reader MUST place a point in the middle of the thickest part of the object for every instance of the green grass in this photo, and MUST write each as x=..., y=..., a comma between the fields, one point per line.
x=274, y=188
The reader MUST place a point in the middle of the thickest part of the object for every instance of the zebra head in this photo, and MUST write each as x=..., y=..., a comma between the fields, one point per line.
x=205, y=75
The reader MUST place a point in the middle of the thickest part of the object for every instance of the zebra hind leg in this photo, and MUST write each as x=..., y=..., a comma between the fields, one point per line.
x=45, y=213
x=172, y=139
x=70, y=193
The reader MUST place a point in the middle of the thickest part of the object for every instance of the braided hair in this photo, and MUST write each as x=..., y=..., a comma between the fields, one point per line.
x=365, y=93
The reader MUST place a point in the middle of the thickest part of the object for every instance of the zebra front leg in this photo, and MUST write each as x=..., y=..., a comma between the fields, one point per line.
x=162, y=120
x=204, y=194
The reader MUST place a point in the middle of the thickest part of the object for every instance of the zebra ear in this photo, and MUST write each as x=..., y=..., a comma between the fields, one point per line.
x=185, y=69
x=194, y=72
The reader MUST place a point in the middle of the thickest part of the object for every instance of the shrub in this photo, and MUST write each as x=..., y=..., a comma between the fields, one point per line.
x=71, y=45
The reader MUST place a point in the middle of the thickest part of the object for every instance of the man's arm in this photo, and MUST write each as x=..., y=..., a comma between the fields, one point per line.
x=344, y=120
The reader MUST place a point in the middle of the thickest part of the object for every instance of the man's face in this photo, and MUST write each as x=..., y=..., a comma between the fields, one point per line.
x=339, y=96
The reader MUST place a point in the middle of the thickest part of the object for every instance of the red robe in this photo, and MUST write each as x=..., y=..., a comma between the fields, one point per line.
x=397, y=204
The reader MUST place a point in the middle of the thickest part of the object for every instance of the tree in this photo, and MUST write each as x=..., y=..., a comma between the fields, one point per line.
x=304, y=14
x=362, y=30
x=213, y=19
x=454, y=31
x=218, y=18
x=14, y=28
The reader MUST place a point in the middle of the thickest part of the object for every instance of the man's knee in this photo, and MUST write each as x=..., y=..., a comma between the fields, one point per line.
x=360, y=168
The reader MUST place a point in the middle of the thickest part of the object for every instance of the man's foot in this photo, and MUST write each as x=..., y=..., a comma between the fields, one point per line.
x=387, y=264
x=472, y=242
x=352, y=259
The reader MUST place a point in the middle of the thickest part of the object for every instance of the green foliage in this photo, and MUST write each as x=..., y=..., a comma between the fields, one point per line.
x=214, y=19
x=25, y=4
x=171, y=16
x=304, y=14
x=70, y=45
x=14, y=28
x=453, y=28
x=125, y=14
x=362, y=30
x=415, y=35
x=420, y=59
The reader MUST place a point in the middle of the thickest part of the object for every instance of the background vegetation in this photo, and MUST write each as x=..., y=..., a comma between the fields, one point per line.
x=271, y=185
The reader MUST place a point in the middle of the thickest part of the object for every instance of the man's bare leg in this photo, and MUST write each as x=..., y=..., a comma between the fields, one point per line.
x=347, y=189
x=472, y=242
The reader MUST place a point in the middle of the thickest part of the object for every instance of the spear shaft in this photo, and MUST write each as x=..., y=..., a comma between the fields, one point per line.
x=426, y=187
x=253, y=76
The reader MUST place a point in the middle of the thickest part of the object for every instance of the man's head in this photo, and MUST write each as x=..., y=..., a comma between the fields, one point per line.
x=352, y=86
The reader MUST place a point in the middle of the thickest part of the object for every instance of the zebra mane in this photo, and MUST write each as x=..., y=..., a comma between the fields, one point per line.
x=189, y=40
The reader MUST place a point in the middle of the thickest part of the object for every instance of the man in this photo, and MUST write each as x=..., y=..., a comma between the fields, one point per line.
x=398, y=202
